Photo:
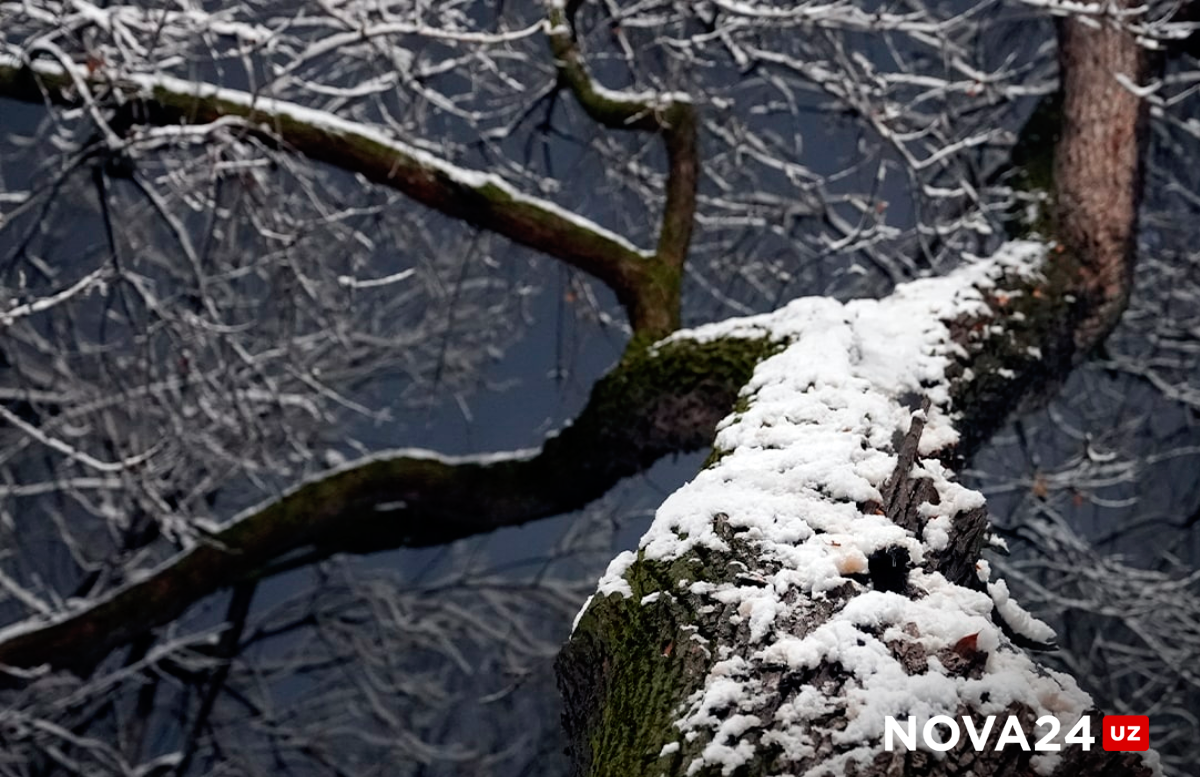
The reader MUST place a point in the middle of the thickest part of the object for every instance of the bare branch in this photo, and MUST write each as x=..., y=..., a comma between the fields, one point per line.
x=670, y=115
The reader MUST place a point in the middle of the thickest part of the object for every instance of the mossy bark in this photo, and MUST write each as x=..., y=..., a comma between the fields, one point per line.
x=634, y=662
x=673, y=118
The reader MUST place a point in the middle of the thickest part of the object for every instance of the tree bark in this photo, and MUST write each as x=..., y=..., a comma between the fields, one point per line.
x=736, y=651
x=1097, y=161
x=724, y=647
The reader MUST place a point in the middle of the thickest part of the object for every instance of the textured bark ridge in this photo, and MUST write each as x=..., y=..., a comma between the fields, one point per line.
x=1098, y=160
x=825, y=570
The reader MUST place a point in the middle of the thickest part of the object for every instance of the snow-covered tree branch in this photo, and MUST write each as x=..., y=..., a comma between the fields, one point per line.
x=480, y=199
x=256, y=260
x=825, y=572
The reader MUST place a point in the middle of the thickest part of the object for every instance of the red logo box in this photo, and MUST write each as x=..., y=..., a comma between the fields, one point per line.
x=1126, y=732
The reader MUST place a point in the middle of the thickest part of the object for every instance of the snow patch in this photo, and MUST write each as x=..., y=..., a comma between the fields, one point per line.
x=614, y=581
x=1018, y=619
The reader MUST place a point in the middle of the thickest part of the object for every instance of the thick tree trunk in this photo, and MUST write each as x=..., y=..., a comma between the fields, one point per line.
x=825, y=572
x=1097, y=164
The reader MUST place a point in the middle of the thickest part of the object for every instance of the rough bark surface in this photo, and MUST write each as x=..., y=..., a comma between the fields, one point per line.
x=1098, y=161
x=643, y=666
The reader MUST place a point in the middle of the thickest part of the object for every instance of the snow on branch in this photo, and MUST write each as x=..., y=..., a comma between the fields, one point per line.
x=823, y=573
x=613, y=108
x=484, y=200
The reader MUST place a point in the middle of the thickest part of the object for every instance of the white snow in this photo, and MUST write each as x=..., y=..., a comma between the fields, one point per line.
x=806, y=460
x=136, y=577
x=1016, y=617
x=817, y=437
x=614, y=578
x=336, y=125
